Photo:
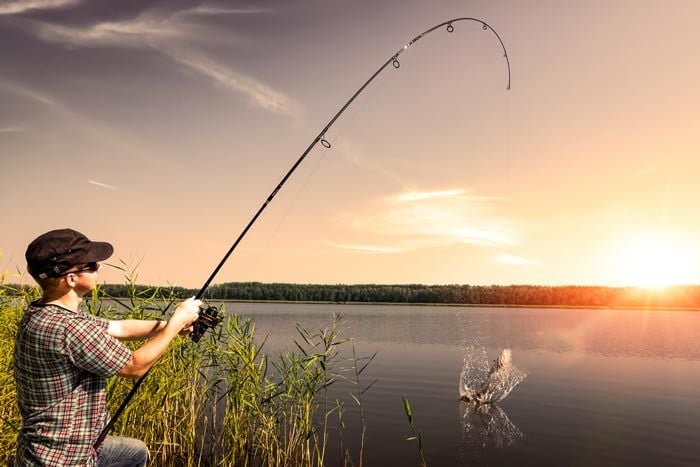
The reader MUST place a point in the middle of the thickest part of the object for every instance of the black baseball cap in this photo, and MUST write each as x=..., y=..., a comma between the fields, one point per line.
x=55, y=252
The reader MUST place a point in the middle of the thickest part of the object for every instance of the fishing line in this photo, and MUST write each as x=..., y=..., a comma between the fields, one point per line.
x=286, y=214
x=336, y=137
x=209, y=318
x=360, y=108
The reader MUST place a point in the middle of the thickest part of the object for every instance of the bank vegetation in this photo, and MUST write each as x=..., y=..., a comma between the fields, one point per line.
x=224, y=401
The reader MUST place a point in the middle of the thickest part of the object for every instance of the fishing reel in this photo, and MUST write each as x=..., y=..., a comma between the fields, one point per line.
x=209, y=318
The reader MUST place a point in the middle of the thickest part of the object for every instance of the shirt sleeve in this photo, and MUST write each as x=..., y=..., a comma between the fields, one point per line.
x=88, y=346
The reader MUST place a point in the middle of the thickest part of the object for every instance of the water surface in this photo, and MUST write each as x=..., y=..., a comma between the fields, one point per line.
x=604, y=387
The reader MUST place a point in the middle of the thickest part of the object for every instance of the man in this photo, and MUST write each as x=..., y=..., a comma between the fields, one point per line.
x=63, y=356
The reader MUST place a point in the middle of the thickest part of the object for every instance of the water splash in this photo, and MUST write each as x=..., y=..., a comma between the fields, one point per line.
x=481, y=384
x=483, y=424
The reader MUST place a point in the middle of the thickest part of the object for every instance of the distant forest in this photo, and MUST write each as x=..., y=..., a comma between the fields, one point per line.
x=495, y=295
x=513, y=295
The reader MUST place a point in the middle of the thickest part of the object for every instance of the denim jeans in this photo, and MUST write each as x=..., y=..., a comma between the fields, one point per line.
x=118, y=451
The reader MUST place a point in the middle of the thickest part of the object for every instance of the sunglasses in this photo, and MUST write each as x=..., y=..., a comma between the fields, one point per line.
x=89, y=267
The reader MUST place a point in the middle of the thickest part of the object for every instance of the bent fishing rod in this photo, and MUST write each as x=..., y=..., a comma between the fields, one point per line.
x=209, y=316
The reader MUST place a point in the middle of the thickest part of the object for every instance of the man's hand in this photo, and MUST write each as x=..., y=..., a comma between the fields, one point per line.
x=185, y=314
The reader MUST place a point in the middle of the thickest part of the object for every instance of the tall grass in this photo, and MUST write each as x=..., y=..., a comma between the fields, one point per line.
x=271, y=407
x=12, y=301
x=224, y=401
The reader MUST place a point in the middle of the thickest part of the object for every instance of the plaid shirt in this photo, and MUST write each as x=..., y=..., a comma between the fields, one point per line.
x=61, y=361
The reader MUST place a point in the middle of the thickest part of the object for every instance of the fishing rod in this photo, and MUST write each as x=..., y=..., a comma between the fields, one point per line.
x=209, y=316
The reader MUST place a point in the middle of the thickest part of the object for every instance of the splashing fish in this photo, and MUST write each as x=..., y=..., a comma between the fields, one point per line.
x=502, y=377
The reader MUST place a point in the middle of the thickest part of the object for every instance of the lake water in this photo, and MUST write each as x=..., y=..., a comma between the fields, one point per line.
x=604, y=387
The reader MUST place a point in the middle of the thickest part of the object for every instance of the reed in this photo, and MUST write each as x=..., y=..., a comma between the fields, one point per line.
x=12, y=301
x=357, y=393
x=271, y=415
x=224, y=401
x=415, y=436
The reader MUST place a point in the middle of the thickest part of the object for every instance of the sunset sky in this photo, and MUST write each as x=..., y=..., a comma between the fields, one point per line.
x=162, y=126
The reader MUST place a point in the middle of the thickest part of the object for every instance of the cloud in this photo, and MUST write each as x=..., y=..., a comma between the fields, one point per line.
x=366, y=248
x=172, y=35
x=425, y=195
x=103, y=185
x=355, y=153
x=445, y=216
x=437, y=196
x=421, y=219
x=29, y=94
x=514, y=260
x=139, y=32
x=12, y=129
x=221, y=10
x=259, y=94
x=20, y=6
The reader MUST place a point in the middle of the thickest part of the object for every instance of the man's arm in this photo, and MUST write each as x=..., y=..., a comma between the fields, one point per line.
x=145, y=356
x=135, y=329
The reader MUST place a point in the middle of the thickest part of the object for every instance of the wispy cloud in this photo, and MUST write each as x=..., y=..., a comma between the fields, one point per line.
x=451, y=216
x=221, y=10
x=10, y=7
x=425, y=195
x=139, y=32
x=28, y=93
x=173, y=35
x=356, y=154
x=365, y=248
x=421, y=219
x=259, y=94
x=103, y=185
x=513, y=260
x=12, y=129
x=455, y=194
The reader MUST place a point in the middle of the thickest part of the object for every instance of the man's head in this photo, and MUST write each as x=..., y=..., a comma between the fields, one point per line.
x=58, y=252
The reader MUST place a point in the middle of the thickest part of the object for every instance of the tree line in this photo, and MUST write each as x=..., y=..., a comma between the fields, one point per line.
x=513, y=295
x=495, y=295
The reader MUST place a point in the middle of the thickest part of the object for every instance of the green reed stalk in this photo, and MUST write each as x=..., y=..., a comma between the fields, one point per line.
x=415, y=436
x=359, y=391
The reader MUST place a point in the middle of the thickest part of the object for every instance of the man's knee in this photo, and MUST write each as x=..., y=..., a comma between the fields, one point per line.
x=123, y=452
x=142, y=450
x=137, y=452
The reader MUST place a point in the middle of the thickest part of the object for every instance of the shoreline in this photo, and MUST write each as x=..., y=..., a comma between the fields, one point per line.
x=465, y=305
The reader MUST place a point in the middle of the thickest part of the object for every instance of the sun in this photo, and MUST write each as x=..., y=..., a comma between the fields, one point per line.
x=653, y=260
